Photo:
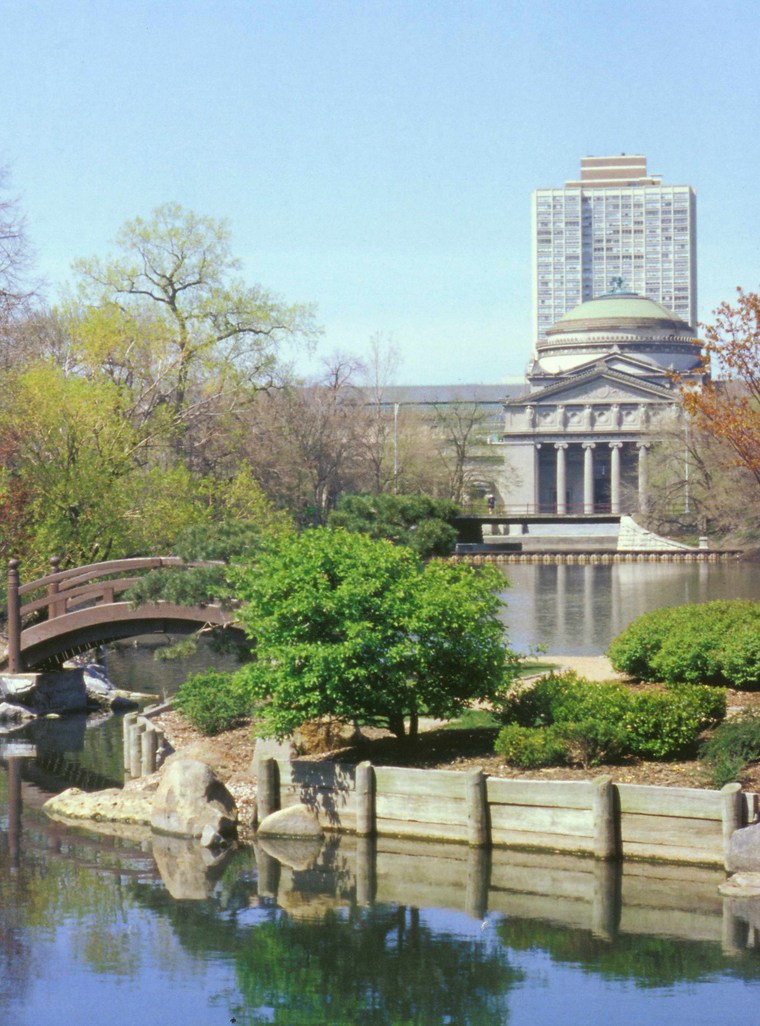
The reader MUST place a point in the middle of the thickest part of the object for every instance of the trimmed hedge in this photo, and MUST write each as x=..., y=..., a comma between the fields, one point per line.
x=566, y=720
x=707, y=643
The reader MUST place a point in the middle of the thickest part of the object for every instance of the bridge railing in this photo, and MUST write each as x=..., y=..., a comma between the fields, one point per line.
x=531, y=509
x=64, y=591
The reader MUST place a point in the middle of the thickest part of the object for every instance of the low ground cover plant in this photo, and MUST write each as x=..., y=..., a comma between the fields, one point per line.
x=706, y=643
x=566, y=720
x=733, y=745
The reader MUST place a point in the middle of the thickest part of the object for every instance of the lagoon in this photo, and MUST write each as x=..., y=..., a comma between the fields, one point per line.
x=132, y=930
x=578, y=610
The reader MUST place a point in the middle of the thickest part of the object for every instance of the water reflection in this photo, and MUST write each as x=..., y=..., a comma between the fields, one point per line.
x=578, y=610
x=378, y=932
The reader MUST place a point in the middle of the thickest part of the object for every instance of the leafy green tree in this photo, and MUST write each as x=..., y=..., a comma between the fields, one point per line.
x=171, y=322
x=354, y=628
x=422, y=523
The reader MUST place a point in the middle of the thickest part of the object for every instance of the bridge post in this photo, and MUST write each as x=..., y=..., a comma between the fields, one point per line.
x=53, y=589
x=15, y=664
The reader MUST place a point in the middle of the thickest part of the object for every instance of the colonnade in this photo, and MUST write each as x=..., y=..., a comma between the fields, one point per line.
x=590, y=499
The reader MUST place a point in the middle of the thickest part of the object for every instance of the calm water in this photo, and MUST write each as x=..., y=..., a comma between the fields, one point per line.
x=131, y=930
x=578, y=610
x=118, y=932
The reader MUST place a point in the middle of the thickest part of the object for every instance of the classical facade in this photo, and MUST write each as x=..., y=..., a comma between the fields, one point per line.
x=600, y=383
x=615, y=220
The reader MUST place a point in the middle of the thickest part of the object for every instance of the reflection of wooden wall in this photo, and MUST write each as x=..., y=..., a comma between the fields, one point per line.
x=606, y=898
x=594, y=817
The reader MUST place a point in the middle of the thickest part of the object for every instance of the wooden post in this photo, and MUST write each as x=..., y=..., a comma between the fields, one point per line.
x=365, y=800
x=366, y=869
x=15, y=665
x=135, y=748
x=734, y=930
x=478, y=879
x=14, y=813
x=607, y=900
x=268, y=873
x=148, y=749
x=53, y=590
x=604, y=819
x=476, y=804
x=268, y=789
x=733, y=810
x=126, y=726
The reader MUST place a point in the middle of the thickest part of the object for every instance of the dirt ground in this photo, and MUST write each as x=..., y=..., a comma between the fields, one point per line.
x=455, y=749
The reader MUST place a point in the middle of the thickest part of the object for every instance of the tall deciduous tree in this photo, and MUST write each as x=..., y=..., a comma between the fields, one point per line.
x=728, y=405
x=170, y=319
x=15, y=257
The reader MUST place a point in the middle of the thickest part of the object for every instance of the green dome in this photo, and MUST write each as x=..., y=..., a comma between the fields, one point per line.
x=618, y=309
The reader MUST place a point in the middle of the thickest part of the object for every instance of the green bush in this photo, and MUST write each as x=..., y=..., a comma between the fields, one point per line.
x=732, y=746
x=531, y=747
x=707, y=643
x=591, y=722
x=667, y=724
x=214, y=702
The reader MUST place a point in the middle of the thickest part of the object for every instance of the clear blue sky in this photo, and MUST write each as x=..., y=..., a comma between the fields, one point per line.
x=377, y=157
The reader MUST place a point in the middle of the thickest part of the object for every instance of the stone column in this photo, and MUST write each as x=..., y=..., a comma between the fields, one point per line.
x=643, y=478
x=588, y=477
x=536, y=479
x=615, y=448
x=561, y=478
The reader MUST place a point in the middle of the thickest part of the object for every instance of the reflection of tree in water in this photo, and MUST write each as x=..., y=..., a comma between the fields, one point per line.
x=646, y=961
x=378, y=965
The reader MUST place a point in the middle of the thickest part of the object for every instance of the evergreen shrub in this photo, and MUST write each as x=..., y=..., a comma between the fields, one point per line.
x=707, y=643
x=732, y=746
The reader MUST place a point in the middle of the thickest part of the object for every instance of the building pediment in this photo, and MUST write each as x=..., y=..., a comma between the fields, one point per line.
x=605, y=385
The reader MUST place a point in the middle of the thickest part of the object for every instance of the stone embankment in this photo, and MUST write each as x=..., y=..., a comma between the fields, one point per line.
x=74, y=689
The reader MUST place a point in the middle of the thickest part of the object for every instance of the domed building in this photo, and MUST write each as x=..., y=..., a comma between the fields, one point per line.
x=599, y=384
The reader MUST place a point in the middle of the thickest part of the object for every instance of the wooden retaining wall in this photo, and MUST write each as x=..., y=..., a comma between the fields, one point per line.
x=607, y=898
x=593, y=817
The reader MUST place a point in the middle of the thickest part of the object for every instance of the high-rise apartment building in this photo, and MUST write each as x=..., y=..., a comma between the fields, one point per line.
x=616, y=221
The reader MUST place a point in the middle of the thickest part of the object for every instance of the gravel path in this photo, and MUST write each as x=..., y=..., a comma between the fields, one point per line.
x=592, y=667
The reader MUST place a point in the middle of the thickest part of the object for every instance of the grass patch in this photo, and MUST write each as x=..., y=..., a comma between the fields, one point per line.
x=474, y=719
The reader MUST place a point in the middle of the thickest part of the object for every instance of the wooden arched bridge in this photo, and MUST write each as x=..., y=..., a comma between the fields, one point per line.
x=71, y=611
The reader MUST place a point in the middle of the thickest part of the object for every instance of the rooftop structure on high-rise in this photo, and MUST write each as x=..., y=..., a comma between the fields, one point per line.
x=615, y=221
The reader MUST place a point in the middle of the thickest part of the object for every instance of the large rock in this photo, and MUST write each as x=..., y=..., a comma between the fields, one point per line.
x=72, y=690
x=60, y=691
x=744, y=850
x=188, y=871
x=191, y=796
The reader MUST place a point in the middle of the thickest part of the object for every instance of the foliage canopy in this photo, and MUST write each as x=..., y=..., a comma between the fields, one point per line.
x=730, y=407
x=349, y=627
x=422, y=523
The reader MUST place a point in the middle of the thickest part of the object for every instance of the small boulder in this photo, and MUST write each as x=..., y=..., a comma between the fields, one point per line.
x=296, y=821
x=12, y=713
x=744, y=850
x=741, y=885
x=211, y=839
x=190, y=797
